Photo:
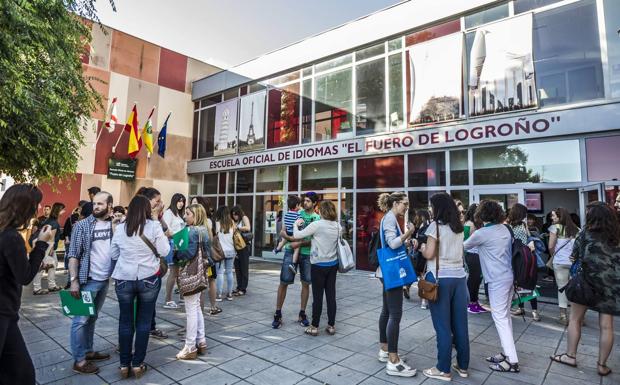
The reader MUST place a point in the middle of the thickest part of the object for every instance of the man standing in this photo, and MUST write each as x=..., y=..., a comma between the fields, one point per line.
x=287, y=276
x=46, y=214
x=90, y=267
x=87, y=208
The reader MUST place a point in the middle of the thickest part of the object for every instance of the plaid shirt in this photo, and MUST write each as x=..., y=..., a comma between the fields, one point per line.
x=80, y=246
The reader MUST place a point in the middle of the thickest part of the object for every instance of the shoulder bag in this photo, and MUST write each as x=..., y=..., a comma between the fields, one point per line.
x=345, y=255
x=429, y=290
x=192, y=278
x=217, y=253
x=238, y=240
x=396, y=267
x=163, y=266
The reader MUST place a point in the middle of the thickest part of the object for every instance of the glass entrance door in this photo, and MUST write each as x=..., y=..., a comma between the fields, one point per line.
x=589, y=194
x=505, y=197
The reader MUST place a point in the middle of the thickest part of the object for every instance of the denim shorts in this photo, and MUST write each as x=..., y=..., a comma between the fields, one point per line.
x=169, y=257
x=287, y=276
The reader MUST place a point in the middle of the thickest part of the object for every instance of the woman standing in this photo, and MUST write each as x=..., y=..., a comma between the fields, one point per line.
x=17, y=206
x=449, y=312
x=138, y=278
x=472, y=259
x=224, y=227
x=324, y=260
x=242, y=262
x=421, y=221
x=195, y=341
x=597, y=250
x=173, y=217
x=493, y=243
x=51, y=259
x=562, y=236
x=394, y=206
x=212, y=276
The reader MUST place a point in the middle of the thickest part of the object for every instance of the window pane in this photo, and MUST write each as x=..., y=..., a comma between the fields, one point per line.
x=231, y=94
x=245, y=181
x=247, y=205
x=461, y=195
x=222, y=184
x=256, y=87
x=270, y=179
x=368, y=219
x=333, y=118
x=395, y=68
x=420, y=200
x=319, y=176
x=528, y=5
x=568, y=59
x=265, y=239
x=347, y=218
x=207, y=131
x=209, y=185
x=307, y=71
x=194, y=184
x=370, y=52
x=195, y=135
x=231, y=183
x=347, y=174
x=603, y=158
x=293, y=177
x=381, y=172
x=283, y=116
x=486, y=16
x=395, y=44
x=306, y=111
x=211, y=100
x=612, y=15
x=433, y=32
x=427, y=169
x=459, y=174
x=370, y=114
x=532, y=162
x=333, y=63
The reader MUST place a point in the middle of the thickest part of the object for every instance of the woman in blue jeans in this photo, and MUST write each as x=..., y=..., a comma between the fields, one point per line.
x=449, y=312
x=136, y=247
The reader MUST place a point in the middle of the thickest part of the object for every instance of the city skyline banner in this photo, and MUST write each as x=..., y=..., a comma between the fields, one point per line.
x=225, y=135
x=252, y=122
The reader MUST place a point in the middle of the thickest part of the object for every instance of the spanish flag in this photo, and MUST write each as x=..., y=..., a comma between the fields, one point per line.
x=135, y=141
x=147, y=133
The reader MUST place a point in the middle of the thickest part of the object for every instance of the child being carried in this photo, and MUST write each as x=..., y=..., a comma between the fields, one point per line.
x=289, y=219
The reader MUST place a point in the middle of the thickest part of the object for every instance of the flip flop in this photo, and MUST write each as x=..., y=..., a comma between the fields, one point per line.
x=558, y=359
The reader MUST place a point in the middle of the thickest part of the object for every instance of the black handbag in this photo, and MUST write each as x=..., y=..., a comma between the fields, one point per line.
x=579, y=290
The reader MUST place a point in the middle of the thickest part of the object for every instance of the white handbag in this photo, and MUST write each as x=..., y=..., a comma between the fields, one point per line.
x=345, y=255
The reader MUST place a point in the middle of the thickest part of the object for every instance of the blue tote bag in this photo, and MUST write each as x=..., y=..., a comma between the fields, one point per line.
x=396, y=266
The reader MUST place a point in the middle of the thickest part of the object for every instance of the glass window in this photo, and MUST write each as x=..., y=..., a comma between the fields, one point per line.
x=333, y=100
x=306, y=111
x=207, y=131
x=612, y=15
x=307, y=71
x=266, y=225
x=245, y=181
x=194, y=184
x=319, y=176
x=209, y=184
x=293, y=178
x=231, y=183
x=284, y=78
x=243, y=90
x=347, y=216
x=395, y=68
x=568, y=59
x=433, y=32
x=211, y=100
x=395, y=44
x=231, y=94
x=368, y=219
x=461, y=195
x=370, y=106
x=369, y=52
x=195, y=135
x=256, y=87
x=381, y=172
x=283, y=116
x=528, y=5
x=247, y=205
x=459, y=170
x=603, y=158
x=420, y=200
x=347, y=174
x=486, y=16
x=222, y=184
x=427, y=169
x=346, y=59
x=270, y=179
x=532, y=162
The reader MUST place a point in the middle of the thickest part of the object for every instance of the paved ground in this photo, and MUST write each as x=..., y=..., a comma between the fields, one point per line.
x=243, y=349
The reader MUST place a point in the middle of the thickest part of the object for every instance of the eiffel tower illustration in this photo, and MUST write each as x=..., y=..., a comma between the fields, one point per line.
x=251, y=136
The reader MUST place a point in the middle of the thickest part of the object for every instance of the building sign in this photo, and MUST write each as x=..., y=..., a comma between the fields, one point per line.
x=225, y=136
x=523, y=127
x=123, y=169
x=270, y=222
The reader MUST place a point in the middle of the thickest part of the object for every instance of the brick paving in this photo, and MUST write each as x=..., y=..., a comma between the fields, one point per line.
x=244, y=349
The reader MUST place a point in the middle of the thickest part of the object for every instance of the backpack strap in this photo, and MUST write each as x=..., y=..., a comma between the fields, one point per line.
x=512, y=234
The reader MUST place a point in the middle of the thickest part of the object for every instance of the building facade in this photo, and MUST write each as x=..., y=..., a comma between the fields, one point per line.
x=516, y=101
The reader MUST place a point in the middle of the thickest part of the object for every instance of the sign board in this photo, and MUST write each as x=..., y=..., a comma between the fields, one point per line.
x=123, y=169
x=270, y=222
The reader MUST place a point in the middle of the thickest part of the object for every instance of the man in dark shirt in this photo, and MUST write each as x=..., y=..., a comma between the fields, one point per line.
x=87, y=209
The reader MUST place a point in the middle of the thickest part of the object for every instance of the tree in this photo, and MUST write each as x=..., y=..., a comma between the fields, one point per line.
x=44, y=96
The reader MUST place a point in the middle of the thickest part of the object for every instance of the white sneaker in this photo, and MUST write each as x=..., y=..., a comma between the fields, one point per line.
x=383, y=355
x=171, y=305
x=400, y=369
x=218, y=299
x=437, y=374
x=424, y=304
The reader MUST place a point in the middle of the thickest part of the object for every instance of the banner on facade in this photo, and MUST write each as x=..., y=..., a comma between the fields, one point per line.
x=252, y=122
x=123, y=169
x=225, y=136
x=270, y=222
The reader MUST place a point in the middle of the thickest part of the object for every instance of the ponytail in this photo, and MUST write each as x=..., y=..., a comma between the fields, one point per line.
x=386, y=200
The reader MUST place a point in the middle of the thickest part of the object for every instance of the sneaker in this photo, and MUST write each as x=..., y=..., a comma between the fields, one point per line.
x=218, y=298
x=437, y=374
x=229, y=297
x=187, y=354
x=88, y=368
x=277, y=320
x=461, y=372
x=276, y=250
x=159, y=334
x=292, y=268
x=383, y=355
x=473, y=308
x=399, y=369
x=424, y=304
x=406, y=292
x=518, y=311
x=171, y=305
x=303, y=319
x=55, y=288
x=535, y=315
x=480, y=309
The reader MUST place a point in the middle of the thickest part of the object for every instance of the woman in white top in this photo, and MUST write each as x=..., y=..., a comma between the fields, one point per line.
x=494, y=244
x=562, y=236
x=225, y=228
x=324, y=261
x=138, y=278
x=242, y=262
x=173, y=218
x=449, y=312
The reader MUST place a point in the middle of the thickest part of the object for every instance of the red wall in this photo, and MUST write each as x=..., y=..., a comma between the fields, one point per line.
x=67, y=193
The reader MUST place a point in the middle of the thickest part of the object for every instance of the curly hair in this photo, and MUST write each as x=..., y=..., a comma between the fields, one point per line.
x=517, y=214
x=490, y=211
x=386, y=200
x=601, y=219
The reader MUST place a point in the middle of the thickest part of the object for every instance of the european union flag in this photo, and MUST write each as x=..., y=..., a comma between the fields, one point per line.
x=161, y=138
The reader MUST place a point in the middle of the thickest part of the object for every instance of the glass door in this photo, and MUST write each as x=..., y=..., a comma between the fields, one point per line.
x=612, y=193
x=506, y=197
x=589, y=194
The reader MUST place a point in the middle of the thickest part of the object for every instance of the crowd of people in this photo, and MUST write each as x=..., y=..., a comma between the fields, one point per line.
x=452, y=248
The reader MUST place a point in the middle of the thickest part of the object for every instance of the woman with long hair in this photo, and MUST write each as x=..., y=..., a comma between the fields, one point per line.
x=444, y=246
x=421, y=221
x=173, y=217
x=242, y=262
x=136, y=248
x=195, y=341
x=562, y=236
x=394, y=206
x=225, y=228
x=472, y=259
x=212, y=273
x=17, y=207
x=51, y=259
x=597, y=251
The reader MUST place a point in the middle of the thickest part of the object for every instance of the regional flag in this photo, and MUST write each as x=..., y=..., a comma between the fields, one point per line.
x=135, y=141
x=161, y=138
x=147, y=133
x=112, y=116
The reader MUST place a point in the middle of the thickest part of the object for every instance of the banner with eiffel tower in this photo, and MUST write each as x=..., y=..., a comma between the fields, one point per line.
x=252, y=122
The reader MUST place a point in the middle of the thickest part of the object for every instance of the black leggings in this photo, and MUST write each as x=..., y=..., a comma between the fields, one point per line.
x=389, y=321
x=242, y=268
x=323, y=281
x=15, y=363
x=475, y=275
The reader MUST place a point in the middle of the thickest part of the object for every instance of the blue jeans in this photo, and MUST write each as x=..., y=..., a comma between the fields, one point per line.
x=225, y=267
x=449, y=316
x=83, y=327
x=145, y=291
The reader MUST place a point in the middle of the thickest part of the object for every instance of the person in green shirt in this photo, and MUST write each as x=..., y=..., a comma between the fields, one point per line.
x=287, y=276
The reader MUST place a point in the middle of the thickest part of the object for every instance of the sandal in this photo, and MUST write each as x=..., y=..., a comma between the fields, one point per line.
x=505, y=367
x=331, y=330
x=496, y=359
x=604, y=366
x=560, y=359
x=239, y=293
x=139, y=371
x=215, y=310
x=125, y=372
x=312, y=331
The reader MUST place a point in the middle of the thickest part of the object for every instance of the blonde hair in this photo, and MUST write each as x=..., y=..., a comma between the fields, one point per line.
x=328, y=210
x=200, y=215
x=386, y=200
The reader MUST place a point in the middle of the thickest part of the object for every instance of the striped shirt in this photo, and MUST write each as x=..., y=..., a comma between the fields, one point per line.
x=289, y=219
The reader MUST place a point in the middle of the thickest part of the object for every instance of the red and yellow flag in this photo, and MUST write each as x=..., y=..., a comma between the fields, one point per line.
x=135, y=141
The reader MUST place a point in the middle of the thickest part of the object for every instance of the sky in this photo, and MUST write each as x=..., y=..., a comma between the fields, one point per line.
x=229, y=32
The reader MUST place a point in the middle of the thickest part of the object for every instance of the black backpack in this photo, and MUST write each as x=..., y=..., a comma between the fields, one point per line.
x=524, y=266
x=373, y=246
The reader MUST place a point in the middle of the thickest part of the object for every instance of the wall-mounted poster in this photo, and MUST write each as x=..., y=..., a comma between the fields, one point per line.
x=252, y=122
x=500, y=73
x=226, y=128
x=432, y=98
x=270, y=222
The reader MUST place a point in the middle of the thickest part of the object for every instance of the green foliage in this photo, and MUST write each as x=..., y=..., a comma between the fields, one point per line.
x=44, y=96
